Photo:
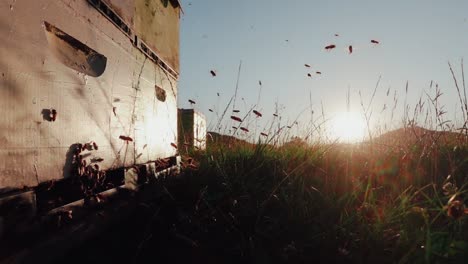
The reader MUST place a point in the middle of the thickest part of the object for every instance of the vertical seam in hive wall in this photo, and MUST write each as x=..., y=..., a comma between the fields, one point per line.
x=134, y=120
x=112, y=105
x=175, y=99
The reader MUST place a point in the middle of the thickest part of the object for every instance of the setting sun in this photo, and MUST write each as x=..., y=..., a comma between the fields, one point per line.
x=348, y=127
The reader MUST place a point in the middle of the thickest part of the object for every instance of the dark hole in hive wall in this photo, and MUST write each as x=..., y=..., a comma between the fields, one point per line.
x=73, y=53
x=160, y=93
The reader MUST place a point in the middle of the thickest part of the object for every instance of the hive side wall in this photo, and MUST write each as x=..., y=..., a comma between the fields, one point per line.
x=34, y=79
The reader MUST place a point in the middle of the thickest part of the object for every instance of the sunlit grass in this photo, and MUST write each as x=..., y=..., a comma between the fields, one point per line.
x=396, y=197
x=334, y=202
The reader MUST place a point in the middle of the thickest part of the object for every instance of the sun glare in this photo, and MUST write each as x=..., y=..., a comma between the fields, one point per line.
x=348, y=127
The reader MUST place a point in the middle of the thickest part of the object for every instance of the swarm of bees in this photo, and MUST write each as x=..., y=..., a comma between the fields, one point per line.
x=92, y=178
x=350, y=47
x=329, y=47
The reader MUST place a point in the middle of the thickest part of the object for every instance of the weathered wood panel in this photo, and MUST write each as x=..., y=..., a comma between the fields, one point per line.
x=157, y=24
x=192, y=129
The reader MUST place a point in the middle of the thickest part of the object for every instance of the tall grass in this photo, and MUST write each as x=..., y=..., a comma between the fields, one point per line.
x=396, y=197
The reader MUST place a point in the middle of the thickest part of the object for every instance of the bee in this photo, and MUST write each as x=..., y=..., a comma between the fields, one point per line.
x=95, y=146
x=53, y=115
x=374, y=41
x=264, y=134
x=456, y=209
x=317, y=72
x=257, y=113
x=213, y=73
x=350, y=48
x=191, y=101
x=307, y=65
x=174, y=145
x=309, y=75
x=330, y=47
x=235, y=111
x=211, y=110
x=125, y=138
x=236, y=118
x=192, y=166
x=114, y=110
x=337, y=35
x=86, y=146
x=97, y=160
x=260, y=83
x=275, y=115
x=78, y=148
x=244, y=129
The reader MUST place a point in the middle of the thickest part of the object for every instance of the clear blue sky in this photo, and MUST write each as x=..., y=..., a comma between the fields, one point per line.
x=417, y=38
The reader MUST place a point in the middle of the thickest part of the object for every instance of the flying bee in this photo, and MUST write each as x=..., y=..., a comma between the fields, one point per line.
x=238, y=119
x=125, y=138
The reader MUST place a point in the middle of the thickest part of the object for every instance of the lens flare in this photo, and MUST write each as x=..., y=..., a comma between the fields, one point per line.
x=348, y=127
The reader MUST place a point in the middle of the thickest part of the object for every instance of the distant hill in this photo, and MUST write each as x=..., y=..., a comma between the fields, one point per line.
x=421, y=135
x=214, y=137
x=398, y=137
